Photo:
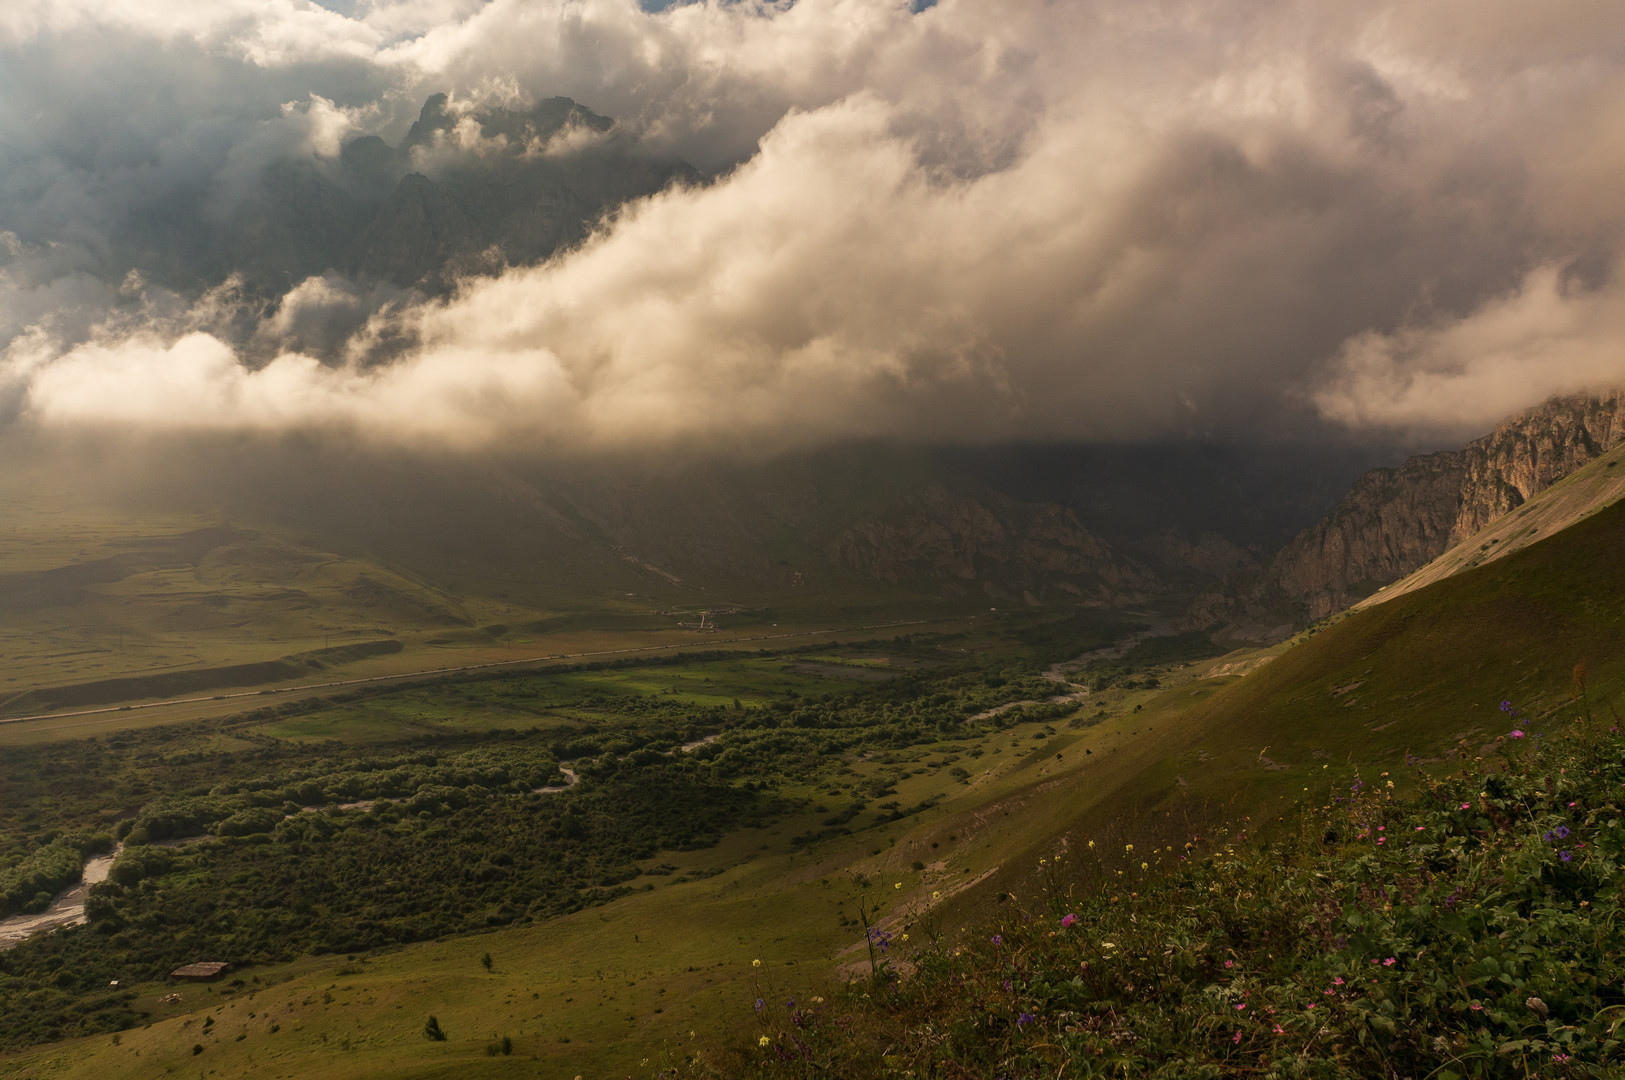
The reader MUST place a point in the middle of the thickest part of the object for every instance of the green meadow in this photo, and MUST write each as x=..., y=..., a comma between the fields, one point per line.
x=922, y=782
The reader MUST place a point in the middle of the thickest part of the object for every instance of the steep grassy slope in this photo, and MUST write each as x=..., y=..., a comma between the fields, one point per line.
x=1572, y=499
x=1413, y=679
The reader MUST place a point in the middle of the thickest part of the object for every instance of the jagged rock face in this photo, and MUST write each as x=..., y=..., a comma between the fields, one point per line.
x=936, y=534
x=460, y=194
x=1394, y=521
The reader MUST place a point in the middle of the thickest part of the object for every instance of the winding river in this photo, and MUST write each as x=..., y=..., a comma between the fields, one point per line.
x=68, y=909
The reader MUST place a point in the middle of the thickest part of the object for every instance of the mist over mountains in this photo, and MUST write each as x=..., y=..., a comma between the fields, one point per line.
x=951, y=225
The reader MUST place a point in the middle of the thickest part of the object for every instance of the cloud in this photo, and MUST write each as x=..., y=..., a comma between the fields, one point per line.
x=1550, y=336
x=1098, y=220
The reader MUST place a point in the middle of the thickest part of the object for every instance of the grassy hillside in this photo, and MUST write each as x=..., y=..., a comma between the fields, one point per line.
x=950, y=822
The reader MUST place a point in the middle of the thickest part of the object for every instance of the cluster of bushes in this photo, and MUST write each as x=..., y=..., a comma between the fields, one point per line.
x=1476, y=931
x=257, y=804
x=356, y=881
x=30, y=884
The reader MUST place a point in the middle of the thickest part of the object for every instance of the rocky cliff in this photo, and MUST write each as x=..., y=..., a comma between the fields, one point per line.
x=1395, y=520
x=1009, y=549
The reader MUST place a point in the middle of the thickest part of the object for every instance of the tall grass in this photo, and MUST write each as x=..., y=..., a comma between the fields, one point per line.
x=1471, y=931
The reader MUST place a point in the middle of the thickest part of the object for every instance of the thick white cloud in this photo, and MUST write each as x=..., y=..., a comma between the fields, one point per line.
x=983, y=221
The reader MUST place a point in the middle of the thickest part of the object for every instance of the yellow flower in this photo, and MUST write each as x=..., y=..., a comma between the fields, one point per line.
x=755, y=963
x=936, y=896
x=1091, y=843
x=763, y=1041
x=1144, y=866
x=899, y=885
x=1128, y=847
x=905, y=937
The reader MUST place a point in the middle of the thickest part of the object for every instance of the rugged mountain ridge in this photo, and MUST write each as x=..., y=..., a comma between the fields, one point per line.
x=1395, y=520
x=466, y=190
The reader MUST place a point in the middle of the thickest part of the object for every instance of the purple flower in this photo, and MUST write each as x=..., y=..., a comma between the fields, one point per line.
x=997, y=939
x=1562, y=832
x=760, y=1004
x=1024, y=1019
x=1068, y=920
x=1506, y=706
x=1565, y=856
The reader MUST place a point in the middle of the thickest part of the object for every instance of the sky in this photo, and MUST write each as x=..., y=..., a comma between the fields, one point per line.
x=1090, y=220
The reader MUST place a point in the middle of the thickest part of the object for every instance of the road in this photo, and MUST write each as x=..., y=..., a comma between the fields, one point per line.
x=551, y=658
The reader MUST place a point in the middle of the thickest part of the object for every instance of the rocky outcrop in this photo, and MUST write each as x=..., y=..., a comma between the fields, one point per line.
x=463, y=192
x=1394, y=521
x=1008, y=547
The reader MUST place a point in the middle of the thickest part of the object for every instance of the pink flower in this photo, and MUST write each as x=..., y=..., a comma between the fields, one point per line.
x=1240, y=1007
x=1310, y=1008
x=1229, y=963
x=1338, y=981
x=1388, y=962
x=1466, y=806
x=1517, y=734
x=1068, y=919
x=1476, y=1007
x=1382, y=839
x=1278, y=1030
x=1237, y=1038
x=1328, y=991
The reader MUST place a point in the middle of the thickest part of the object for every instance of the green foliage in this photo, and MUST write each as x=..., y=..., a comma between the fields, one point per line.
x=432, y=1030
x=1473, y=932
x=30, y=885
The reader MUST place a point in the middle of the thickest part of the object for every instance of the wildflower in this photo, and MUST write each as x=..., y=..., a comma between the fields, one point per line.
x=1516, y=734
x=1338, y=981
x=1237, y=1038
x=1390, y=783
x=1382, y=839
x=1476, y=1007
x=817, y=1001
x=760, y=1004
x=899, y=885
x=1565, y=856
x=905, y=937
x=1562, y=832
x=1068, y=919
x=1278, y=1030
x=936, y=896
x=1466, y=806
x=1506, y=706
x=1388, y=962
x=1242, y=1006
x=1024, y=1019
x=1128, y=847
x=1229, y=963
x=1145, y=866
x=997, y=939
x=755, y=963
x=1419, y=828
x=763, y=1041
